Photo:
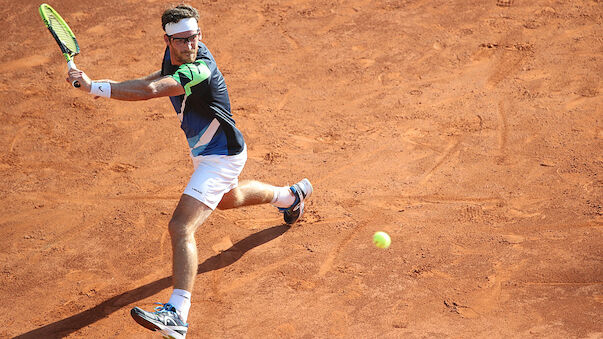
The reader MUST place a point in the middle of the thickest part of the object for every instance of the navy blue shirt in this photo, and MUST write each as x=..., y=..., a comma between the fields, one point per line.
x=204, y=109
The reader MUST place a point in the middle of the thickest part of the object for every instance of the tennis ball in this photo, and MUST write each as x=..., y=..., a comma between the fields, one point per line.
x=381, y=239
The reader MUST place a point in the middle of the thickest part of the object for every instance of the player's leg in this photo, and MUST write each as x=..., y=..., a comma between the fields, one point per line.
x=251, y=192
x=188, y=216
x=170, y=318
x=289, y=200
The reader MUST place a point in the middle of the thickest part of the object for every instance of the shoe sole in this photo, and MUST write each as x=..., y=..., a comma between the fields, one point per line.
x=167, y=334
x=306, y=184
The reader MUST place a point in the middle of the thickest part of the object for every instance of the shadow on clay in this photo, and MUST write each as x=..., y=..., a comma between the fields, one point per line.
x=69, y=325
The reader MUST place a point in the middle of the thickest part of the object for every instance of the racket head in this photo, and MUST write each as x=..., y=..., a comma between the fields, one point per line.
x=60, y=31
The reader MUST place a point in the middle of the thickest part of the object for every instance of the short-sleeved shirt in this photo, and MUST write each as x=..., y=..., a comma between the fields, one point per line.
x=204, y=108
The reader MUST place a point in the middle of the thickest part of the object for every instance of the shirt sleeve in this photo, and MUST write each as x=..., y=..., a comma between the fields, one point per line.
x=190, y=75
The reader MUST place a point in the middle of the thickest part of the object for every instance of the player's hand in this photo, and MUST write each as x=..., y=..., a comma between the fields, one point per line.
x=81, y=77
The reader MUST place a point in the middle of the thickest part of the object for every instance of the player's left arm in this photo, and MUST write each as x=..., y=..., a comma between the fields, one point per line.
x=151, y=86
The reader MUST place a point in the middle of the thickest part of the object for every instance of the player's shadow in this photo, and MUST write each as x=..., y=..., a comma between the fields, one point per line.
x=69, y=325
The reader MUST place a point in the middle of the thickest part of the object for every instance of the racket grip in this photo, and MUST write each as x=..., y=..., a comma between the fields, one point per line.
x=71, y=65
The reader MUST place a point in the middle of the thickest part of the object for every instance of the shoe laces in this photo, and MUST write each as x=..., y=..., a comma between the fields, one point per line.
x=164, y=308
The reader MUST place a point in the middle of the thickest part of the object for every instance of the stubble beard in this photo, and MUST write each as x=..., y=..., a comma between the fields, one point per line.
x=186, y=57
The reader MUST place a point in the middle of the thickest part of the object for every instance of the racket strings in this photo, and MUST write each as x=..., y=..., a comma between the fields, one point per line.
x=62, y=33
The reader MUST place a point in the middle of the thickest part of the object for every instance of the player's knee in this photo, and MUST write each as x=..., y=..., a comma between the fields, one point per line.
x=178, y=229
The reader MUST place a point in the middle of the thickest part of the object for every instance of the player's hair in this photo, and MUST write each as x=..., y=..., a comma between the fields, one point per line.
x=177, y=13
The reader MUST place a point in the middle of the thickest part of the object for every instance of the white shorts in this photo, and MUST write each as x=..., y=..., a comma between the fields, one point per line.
x=214, y=176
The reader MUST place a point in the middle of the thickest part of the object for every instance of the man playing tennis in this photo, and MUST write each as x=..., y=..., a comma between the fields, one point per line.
x=190, y=77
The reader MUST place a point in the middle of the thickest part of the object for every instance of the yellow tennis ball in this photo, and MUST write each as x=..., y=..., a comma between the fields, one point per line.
x=381, y=239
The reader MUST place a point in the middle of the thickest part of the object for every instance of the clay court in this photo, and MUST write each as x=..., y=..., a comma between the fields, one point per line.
x=470, y=131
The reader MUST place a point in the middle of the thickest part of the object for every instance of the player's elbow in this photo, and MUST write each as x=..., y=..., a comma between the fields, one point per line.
x=152, y=91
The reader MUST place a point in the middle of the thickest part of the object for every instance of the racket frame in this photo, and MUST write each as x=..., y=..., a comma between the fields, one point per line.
x=67, y=53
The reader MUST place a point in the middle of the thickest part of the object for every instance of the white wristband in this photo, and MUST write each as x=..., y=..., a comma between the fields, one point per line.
x=102, y=89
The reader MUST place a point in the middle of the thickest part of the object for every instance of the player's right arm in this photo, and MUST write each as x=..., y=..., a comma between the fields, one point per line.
x=152, y=86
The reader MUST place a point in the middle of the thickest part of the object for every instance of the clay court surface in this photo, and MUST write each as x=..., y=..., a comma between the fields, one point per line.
x=470, y=132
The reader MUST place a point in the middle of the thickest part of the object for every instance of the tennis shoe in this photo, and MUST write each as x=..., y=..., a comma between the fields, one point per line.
x=165, y=320
x=302, y=191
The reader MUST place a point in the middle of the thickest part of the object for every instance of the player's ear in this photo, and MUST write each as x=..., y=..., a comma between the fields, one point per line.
x=166, y=39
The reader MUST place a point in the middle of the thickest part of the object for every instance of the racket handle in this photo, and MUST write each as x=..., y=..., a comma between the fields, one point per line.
x=71, y=65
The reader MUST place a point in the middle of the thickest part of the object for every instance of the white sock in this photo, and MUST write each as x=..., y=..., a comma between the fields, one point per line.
x=283, y=197
x=181, y=300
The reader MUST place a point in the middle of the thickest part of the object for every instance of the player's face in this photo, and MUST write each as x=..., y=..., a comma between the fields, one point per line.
x=183, y=47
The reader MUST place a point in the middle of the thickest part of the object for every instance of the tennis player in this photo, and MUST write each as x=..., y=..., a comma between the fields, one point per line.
x=190, y=77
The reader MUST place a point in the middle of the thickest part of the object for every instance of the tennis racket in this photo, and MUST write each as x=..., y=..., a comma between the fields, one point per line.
x=62, y=34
